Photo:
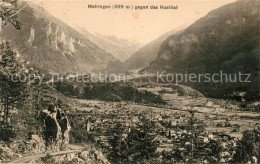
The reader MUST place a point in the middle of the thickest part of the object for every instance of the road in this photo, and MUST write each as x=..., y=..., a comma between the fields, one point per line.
x=27, y=159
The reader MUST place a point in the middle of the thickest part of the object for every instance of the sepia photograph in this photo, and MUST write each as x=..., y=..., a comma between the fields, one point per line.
x=130, y=81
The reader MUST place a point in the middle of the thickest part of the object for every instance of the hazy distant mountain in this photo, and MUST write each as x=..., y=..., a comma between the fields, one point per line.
x=122, y=49
x=227, y=39
x=49, y=44
x=148, y=53
x=142, y=57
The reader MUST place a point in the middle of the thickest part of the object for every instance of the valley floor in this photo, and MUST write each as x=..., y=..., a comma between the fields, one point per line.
x=220, y=117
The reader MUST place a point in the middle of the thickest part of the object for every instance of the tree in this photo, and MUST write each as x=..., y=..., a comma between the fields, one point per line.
x=248, y=147
x=194, y=128
x=138, y=146
x=119, y=151
x=189, y=147
x=9, y=13
x=10, y=87
x=212, y=151
x=10, y=91
x=141, y=143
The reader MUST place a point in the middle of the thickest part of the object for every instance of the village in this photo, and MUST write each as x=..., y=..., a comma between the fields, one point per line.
x=221, y=122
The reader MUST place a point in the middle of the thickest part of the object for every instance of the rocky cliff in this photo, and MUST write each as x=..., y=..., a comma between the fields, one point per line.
x=56, y=128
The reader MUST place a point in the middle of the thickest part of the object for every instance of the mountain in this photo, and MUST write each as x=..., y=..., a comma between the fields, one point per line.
x=121, y=49
x=49, y=44
x=227, y=40
x=142, y=57
x=146, y=54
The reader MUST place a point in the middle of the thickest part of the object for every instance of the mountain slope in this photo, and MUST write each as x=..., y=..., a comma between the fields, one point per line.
x=227, y=40
x=147, y=54
x=121, y=49
x=142, y=57
x=50, y=45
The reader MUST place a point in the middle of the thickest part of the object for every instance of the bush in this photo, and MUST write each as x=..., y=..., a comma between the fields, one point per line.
x=6, y=133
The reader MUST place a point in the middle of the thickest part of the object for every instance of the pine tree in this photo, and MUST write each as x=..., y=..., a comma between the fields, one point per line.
x=9, y=65
x=190, y=149
x=248, y=147
x=138, y=146
x=10, y=86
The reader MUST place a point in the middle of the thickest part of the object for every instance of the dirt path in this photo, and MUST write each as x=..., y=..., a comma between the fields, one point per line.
x=27, y=159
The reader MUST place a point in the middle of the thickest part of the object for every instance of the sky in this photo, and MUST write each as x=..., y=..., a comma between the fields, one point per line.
x=140, y=26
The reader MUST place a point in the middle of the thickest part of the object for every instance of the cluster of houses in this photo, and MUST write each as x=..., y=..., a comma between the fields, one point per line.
x=169, y=126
